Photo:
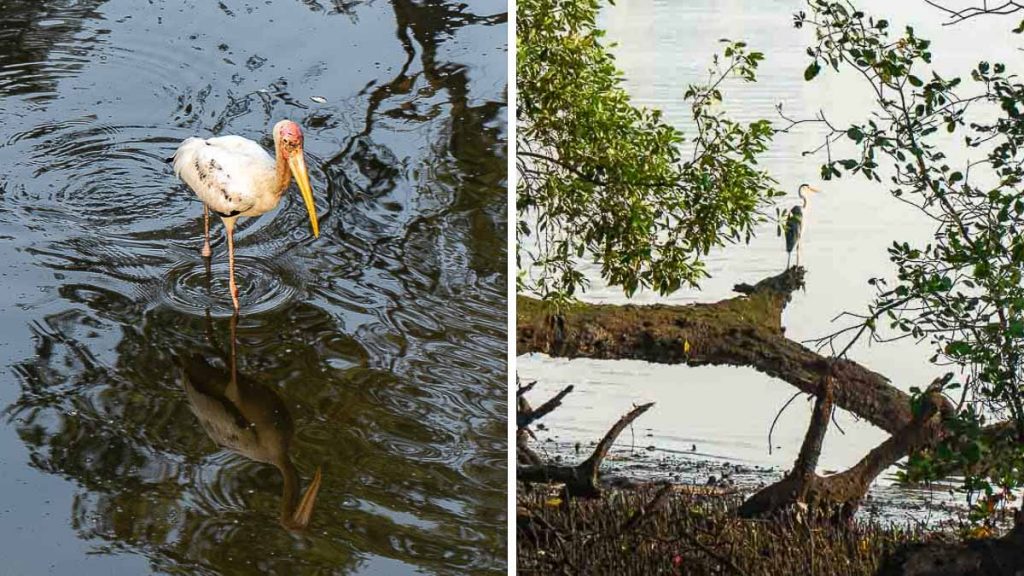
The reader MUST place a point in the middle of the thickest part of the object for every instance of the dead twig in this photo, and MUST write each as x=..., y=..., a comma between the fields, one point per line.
x=526, y=418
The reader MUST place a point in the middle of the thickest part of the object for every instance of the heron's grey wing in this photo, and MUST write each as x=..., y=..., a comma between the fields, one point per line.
x=792, y=230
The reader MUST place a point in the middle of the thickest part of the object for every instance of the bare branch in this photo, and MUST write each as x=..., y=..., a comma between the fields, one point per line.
x=958, y=16
x=524, y=419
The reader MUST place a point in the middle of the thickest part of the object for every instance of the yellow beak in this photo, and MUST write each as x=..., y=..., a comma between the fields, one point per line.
x=297, y=164
x=304, y=511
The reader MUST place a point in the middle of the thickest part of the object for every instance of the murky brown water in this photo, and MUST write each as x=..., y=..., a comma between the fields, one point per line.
x=376, y=352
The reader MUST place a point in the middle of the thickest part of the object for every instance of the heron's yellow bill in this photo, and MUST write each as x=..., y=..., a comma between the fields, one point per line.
x=297, y=164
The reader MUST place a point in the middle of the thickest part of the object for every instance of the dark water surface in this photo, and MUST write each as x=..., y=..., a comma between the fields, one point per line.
x=376, y=352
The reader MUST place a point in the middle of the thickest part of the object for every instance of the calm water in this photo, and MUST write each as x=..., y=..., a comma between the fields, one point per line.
x=663, y=46
x=376, y=352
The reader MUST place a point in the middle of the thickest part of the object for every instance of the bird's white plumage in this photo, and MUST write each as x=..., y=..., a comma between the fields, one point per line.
x=230, y=174
x=236, y=177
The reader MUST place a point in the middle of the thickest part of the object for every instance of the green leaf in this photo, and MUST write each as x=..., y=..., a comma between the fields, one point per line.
x=612, y=178
x=812, y=71
x=955, y=349
x=1016, y=329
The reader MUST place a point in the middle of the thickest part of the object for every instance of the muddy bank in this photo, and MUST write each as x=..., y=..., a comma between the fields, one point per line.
x=637, y=461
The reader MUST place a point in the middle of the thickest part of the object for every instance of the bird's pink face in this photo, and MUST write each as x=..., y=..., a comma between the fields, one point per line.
x=288, y=139
x=289, y=135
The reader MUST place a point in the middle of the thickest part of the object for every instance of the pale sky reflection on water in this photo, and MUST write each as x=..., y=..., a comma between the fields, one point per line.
x=665, y=45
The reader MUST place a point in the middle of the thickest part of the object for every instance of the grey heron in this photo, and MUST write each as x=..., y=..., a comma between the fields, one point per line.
x=794, y=226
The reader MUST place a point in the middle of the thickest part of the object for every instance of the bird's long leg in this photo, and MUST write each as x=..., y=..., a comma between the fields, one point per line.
x=789, y=258
x=206, y=229
x=229, y=224
x=233, y=385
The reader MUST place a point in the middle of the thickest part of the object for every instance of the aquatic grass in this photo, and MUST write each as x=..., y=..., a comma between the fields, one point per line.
x=691, y=534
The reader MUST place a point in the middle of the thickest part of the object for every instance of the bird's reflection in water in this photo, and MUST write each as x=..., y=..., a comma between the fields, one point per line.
x=250, y=419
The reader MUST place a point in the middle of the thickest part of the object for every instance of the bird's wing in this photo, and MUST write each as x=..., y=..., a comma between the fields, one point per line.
x=239, y=145
x=222, y=171
x=792, y=229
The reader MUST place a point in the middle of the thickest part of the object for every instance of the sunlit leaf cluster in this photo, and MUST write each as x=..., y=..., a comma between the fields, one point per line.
x=604, y=181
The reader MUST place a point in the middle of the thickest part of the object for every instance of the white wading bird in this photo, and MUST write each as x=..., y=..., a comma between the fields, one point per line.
x=235, y=176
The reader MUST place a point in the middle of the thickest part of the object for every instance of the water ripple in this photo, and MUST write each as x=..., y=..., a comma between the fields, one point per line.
x=263, y=285
x=383, y=339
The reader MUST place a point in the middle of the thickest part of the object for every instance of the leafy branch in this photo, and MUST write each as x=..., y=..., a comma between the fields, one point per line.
x=602, y=180
x=963, y=290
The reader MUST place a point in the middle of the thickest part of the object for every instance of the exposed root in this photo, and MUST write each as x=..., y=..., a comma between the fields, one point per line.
x=984, y=557
x=684, y=534
x=581, y=480
x=837, y=497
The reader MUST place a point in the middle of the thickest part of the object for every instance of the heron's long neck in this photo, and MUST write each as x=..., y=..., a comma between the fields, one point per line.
x=803, y=197
x=282, y=177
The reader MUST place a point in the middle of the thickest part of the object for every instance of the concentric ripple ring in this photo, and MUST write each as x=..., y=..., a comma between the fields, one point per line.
x=195, y=287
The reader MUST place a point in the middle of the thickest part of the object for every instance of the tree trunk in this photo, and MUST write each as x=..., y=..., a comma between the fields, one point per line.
x=837, y=497
x=747, y=331
x=742, y=331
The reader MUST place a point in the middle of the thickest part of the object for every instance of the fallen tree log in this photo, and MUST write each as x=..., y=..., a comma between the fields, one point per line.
x=742, y=331
x=747, y=331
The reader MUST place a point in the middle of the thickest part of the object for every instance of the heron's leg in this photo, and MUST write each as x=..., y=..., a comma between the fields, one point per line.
x=206, y=229
x=229, y=224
